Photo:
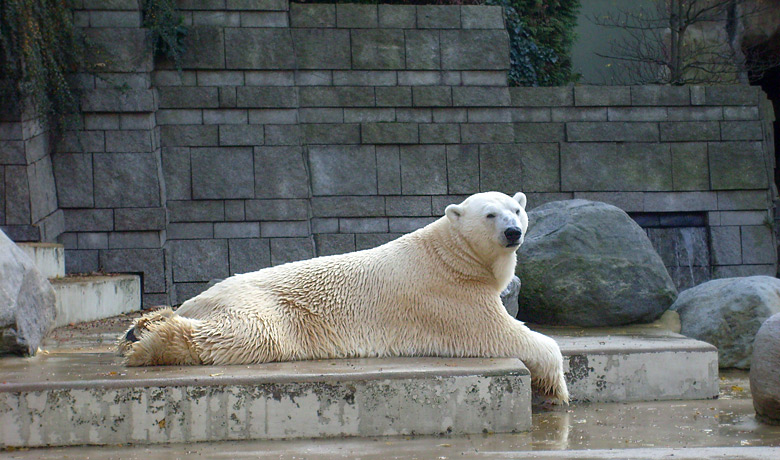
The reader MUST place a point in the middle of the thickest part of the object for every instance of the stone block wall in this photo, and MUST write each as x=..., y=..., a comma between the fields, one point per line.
x=312, y=129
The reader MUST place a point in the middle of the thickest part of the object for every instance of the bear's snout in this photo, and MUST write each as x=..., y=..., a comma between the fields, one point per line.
x=513, y=235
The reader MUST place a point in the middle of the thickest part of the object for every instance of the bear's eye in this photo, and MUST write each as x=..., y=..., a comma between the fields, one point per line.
x=490, y=216
x=517, y=212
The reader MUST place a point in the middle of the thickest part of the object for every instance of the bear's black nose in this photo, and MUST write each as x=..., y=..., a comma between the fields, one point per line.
x=513, y=234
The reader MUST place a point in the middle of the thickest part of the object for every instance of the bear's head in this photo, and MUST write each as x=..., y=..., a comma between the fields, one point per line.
x=492, y=222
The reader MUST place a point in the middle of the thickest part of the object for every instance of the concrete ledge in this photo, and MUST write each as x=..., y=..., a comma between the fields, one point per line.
x=87, y=298
x=66, y=399
x=49, y=258
x=636, y=364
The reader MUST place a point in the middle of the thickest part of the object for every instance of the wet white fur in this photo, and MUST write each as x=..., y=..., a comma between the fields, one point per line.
x=433, y=292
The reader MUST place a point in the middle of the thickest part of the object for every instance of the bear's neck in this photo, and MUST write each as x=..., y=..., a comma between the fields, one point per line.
x=458, y=256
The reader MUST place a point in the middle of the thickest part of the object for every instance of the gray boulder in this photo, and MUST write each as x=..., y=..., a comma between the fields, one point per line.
x=727, y=313
x=27, y=302
x=509, y=296
x=586, y=263
x=765, y=371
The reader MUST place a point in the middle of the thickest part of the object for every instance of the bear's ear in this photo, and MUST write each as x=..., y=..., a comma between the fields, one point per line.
x=453, y=212
x=520, y=198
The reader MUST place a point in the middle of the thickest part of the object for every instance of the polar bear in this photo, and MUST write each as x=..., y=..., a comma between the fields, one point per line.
x=432, y=292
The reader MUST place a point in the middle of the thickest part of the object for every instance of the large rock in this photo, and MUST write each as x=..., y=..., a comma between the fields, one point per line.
x=765, y=371
x=509, y=296
x=27, y=302
x=586, y=263
x=727, y=313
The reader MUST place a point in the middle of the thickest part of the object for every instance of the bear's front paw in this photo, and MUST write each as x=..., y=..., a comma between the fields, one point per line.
x=133, y=334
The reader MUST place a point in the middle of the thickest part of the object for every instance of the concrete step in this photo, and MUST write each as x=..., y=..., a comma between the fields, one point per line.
x=89, y=297
x=636, y=363
x=48, y=257
x=61, y=399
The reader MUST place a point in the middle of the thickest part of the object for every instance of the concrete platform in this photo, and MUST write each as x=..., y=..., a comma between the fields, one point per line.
x=49, y=258
x=81, y=398
x=83, y=298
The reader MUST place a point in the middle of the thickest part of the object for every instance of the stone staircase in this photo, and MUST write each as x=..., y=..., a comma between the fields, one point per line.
x=83, y=298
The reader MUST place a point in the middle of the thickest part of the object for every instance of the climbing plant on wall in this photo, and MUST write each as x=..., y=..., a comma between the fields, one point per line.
x=39, y=47
x=165, y=22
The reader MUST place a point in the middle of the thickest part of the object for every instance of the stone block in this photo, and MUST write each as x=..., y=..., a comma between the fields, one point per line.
x=438, y=16
x=185, y=291
x=408, y=224
x=280, y=229
x=134, y=219
x=266, y=210
x=174, y=78
x=196, y=211
x=176, y=173
x=420, y=77
x=351, y=16
x=331, y=133
x=185, y=97
x=124, y=180
x=237, y=230
x=656, y=95
x=129, y=141
x=401, y=206
x=376, y=49
x=324, y=225
x=101, y=121
x=526, y=167
x=603, y=167
x=558, y=96
x=740, y=113
x=241, y=135
x=273, y=116
x=690, y=170
x=113, y=49
x=89, y=220
x=576, y=114
x=365, y=115
x=418, y=115
x=17, y=198
x=340, y=96
x=234, y=210
x=129, y=121
x=737, y=165
x=743, y=217
x=267, y=5
x=388, y=165
x=423, y=170
x=743, y=200
x=313, y=77
x=264, y=19
x=189, y=135
x=432, y=96
x=312, y=15
x=43, y=193
x=586, y=131
x=487, y=133
x=131, y=240
x=482, y=17
x=372, y=240
x=539, y=132
x=439, y=133
x=741, y=131
x=179, y=117
x=343, y=170
x=259, y=48
x=348, y=206
x=731, y=95
x=199, y=260
x=462, y=169
x=423, y=51
x=389, y=133
x=364, y=78
x=78, y=261
x=735, y=271
x=211, y=43
x=474, y=49
x=71, y=142
x=480, y=96
x=284, y=250
x=283, y=135
x=227, y=96
x=269, y=78
x=216, y=18
x=248, y=255
x=636, y=114
x=363, y=225
x=397, y=16
x=115, y=100
x=449, y=115
x=602, y=96
x=690, y=131
x=680, y=201
x=483, y=78
x=758, y=245
x=73, y=176
x=334, y=115
x=280, y=172
x=694, y=113
x=225, y=117
x=190, y=231
x=322, y=48
x=398, y=96
x=331, y=244
x=266, y=97
x=219, y=173
x=627, y=201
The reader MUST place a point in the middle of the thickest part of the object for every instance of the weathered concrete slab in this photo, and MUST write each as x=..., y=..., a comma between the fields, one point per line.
x=87, y=298
x=639, y=363
x=73, y=399
x=49, y=258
